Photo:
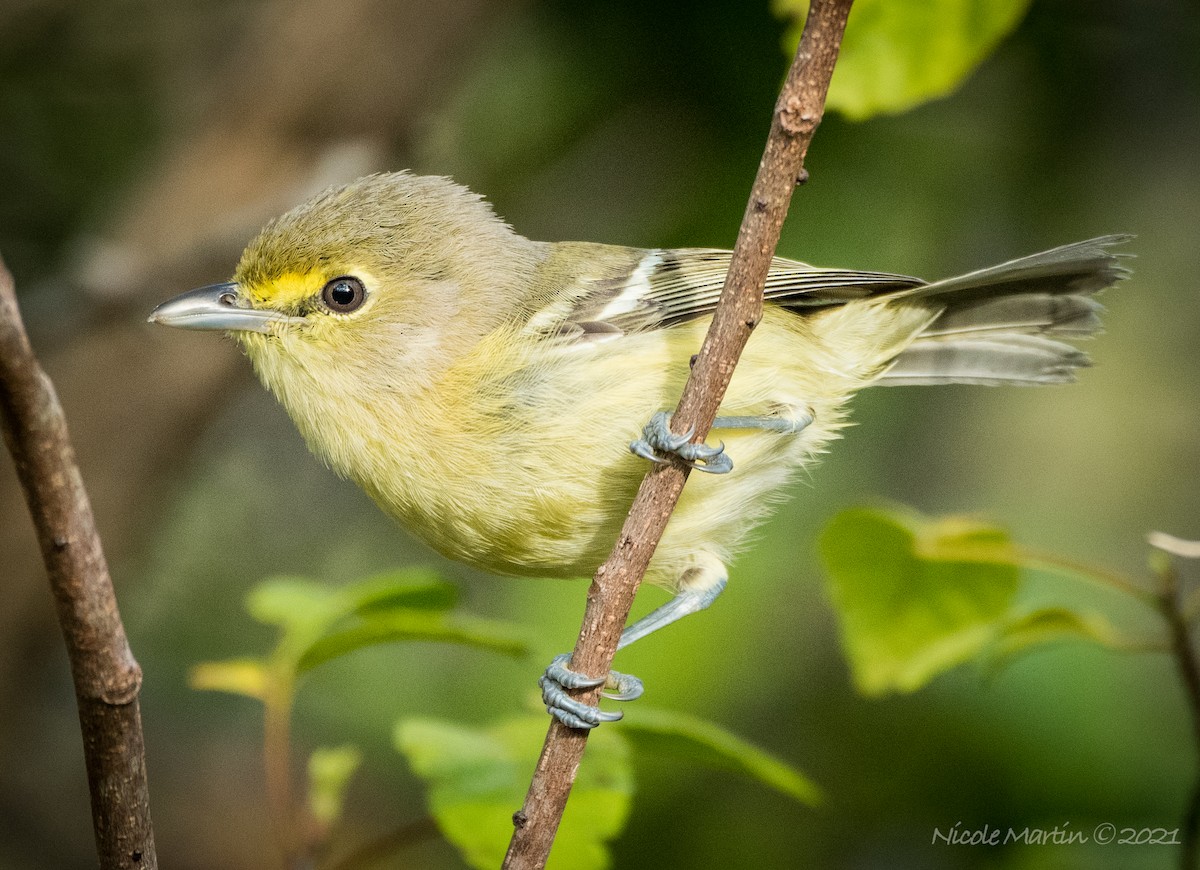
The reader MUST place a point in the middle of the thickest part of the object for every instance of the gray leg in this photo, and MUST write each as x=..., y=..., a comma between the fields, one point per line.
x=658, y=439
x=782, y=425
x=704, y=583
x=685, y=603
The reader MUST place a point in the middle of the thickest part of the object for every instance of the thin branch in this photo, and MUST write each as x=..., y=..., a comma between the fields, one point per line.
x=1171, y=607
x=107, y=679
x=277, y=769
x=797, y=114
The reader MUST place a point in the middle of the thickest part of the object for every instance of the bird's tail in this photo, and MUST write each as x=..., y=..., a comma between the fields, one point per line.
x=1003, y=325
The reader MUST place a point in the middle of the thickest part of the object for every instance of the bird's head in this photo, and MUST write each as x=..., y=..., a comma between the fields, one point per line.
x=373, y=280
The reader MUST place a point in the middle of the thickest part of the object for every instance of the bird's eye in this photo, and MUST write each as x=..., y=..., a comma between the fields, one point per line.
x=344, y=294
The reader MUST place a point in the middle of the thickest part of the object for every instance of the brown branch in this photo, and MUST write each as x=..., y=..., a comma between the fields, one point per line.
x=107, y=679
x=1171, y=608
x=277, y=772
x=797, y=114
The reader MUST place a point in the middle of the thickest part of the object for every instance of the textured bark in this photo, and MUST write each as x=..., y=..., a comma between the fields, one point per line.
x=797, y=114
x=107, y=679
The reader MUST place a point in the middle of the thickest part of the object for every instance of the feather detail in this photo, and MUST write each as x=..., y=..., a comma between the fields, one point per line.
x=1002, y=358
x=1045, y=313
x=1079, y=269
x=662, y=288
x=994, y=323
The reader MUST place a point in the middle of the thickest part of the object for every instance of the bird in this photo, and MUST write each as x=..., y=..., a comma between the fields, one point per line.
x=500, y=397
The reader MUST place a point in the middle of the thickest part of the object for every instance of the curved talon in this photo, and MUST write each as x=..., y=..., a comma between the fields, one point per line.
x=657, y=438
x=658, y=433
x=570, y=711
x=628, y=687
x=720, y=464
x=715, y=460
x=702, y=452
x=575, y=713
x=559, y=673
x=643, y=449
x=571, y=720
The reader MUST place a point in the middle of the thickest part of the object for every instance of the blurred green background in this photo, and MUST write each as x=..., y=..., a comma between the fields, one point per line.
x=141, y=145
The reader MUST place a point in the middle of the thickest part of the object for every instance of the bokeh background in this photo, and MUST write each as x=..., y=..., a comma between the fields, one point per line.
x=141, y=144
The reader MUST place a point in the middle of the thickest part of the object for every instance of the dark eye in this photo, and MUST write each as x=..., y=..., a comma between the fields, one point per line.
x=344, y=295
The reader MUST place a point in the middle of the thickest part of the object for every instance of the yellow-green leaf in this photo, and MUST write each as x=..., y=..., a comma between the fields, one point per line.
x=288, y=601
x=477, y=779
x=329, y=772
x=668, y=733
x=914, y=596
x=320, y=621
x=302, y=603
x=897, y=54
x=247, y=677
x=1026, y=631
x=413, y=588
x=400, y=624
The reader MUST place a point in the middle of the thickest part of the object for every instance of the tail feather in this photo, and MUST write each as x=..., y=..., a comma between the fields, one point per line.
x=1044, y=313
x=993, y=324
x=1004, y=358
x=1081, y=268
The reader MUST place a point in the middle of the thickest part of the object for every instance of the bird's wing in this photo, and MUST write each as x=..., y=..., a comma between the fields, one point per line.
x=660, y=288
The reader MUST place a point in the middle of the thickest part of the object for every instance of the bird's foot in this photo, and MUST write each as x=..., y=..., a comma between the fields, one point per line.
x=575, y=713
x=657, y=439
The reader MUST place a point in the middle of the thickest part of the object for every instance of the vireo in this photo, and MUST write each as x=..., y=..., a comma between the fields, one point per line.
x=484, y=389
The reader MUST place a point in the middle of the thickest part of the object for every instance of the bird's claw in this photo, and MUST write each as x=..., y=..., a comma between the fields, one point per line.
x=571, y=711
x=657, y=439
x=622, y=687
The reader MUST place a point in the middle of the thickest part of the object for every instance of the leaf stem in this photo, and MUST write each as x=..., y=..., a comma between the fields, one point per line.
x=1091, y=573
x=277, y=762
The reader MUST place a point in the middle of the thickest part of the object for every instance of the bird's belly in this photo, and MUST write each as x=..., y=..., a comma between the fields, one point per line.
x=547, y=523
x=538, y=527
x=531, y=474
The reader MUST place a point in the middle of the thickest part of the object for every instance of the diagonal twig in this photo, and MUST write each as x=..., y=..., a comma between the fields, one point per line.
x=1171, y=608
x=107, y=679
x=797, y=114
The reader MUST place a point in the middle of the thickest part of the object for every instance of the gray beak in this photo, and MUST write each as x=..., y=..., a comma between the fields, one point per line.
x=216, y=307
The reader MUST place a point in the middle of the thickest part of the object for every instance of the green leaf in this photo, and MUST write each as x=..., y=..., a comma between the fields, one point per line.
x=915, y=596
x=413, y=588
x=293, y=602
x=478, y=777
x=1026, y=631
x=897, y=54
x=329, y=772
x=400, y=624
x=663, y=732
x=290, y=601
x=308, y=610
x=246, y=676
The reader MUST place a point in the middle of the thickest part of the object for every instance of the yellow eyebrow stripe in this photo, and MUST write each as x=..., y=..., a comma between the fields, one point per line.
x=288, y=289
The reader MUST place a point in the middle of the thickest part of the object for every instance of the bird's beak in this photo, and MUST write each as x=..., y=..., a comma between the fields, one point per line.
x=216, y=307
